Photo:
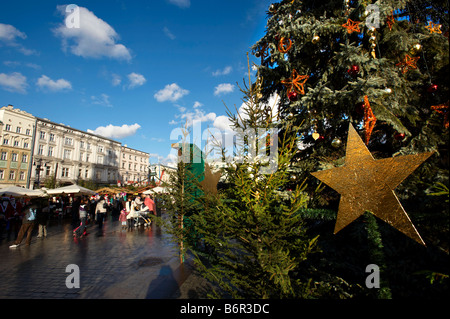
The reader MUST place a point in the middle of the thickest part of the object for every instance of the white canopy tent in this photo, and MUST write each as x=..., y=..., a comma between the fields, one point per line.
x=71, y=189
x=157, y=189
x=16, y=191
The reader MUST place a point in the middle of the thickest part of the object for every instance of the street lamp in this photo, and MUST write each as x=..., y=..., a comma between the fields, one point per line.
x=38, y=164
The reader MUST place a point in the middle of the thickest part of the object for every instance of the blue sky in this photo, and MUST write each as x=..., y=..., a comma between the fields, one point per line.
x=131, y=70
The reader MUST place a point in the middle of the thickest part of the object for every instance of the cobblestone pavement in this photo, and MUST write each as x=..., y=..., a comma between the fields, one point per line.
x=138, y=264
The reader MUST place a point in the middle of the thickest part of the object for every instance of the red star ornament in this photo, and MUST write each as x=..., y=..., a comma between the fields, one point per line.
x=434, y=28
x=295, y=83
x=390, y=21
x=442, y=109
x=369, y=119
x=408, y=63
x=352, y=26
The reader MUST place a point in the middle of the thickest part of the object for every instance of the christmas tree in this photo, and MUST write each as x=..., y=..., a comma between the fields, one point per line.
x=248, y=239
x=383, y=67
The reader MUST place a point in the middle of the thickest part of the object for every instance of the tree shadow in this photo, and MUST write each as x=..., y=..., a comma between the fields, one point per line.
x=167, y=284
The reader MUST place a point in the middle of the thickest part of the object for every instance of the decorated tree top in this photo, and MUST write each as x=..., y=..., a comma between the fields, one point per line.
x=332, y=62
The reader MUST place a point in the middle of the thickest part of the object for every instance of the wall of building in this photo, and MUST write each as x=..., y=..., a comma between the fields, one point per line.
x=16, y=140
x=64, y=154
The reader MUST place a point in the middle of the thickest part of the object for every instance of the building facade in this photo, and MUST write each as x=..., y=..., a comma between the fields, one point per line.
x=160, y=173
x=69, y=155
x=16, y=142
x=34, y=150
x=134, y=166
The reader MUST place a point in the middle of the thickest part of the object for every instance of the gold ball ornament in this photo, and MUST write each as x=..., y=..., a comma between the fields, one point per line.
x=336, y=143
x=315, y=39
x=416, y=48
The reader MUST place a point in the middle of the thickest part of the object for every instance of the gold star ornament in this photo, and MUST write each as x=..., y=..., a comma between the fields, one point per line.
x=366, y=184
x=209, y=183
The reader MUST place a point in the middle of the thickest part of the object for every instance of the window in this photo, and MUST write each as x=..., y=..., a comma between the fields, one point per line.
x=65, y=172
x=68, y=141
x=24, y=158
x=4, y=156
x=14, y=157
x=81, y=157
x=67, y=154
x=16, y=143
x=100, y=149
x=5, y=141
x=86, y=173
x=41, y=150
x=81, y=144
x=50, y=151
x=42, y=135
x=47, y=171
x=100, y=160
x=88, y=146
x=2, y=174
x=18, y=129
x=8, y=127
x=22, y=175
x=12, y=175
x=87, y=157
x=26, y=145
x=52, y=137
x=28, y=131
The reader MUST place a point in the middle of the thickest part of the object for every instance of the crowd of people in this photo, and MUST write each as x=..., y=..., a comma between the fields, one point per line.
x=18, y=216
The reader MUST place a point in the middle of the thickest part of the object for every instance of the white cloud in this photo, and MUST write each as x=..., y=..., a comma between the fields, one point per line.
x=10, y=33
x=103, y=100
x=171, y=92
x=225, y=71
x=9, y=36
x=223, y=123
x=44, y=82
x=223, y=88
x=116, y=79
x=181, y=3
x=112, y=131
x=197, y=116
x=136, y=80
x=93, y=39
x=197, y=104
x=13, y=82
x=14, y=64
x=169, y=34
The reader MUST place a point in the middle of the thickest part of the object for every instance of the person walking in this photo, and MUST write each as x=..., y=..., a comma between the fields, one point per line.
x=123, y=219
x=100, y=211
x=28, y=220
x=82, y=212
x=148, y=201
x=42, y=217
x=74, y=210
